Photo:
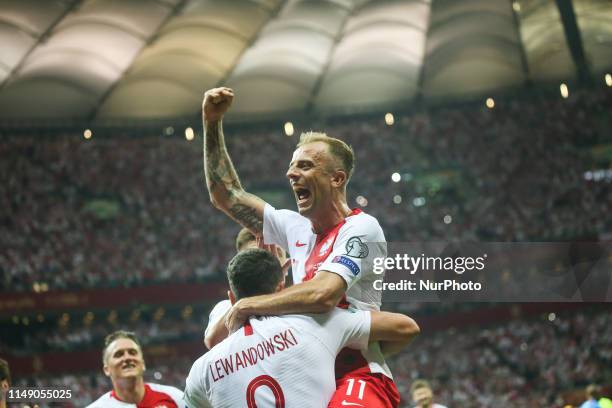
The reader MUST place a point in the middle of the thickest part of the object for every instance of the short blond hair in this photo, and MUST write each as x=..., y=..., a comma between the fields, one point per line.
x=342, y=152
x=418, y=384
x=244, y=238
x=119, y=334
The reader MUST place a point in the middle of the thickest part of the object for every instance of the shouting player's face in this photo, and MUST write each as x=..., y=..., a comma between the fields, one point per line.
x=310, y=175
x=123, y=360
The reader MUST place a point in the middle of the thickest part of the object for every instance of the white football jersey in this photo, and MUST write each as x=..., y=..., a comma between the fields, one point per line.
x=277, y=361
x=156, y=396
x=217, y=313
x=347, y=250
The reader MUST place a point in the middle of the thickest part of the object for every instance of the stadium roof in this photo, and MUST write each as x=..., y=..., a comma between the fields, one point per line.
x=97, y=60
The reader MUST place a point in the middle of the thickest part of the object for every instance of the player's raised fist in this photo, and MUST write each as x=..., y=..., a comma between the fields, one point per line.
x=216, y=102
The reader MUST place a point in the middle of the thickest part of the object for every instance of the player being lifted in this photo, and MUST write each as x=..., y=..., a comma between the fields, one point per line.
x=331, y=245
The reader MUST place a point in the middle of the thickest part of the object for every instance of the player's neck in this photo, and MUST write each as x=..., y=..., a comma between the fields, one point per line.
x=130, y=390
x=333, y=215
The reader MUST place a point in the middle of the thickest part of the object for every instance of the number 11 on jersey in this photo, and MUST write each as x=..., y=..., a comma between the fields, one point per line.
x=351, y=383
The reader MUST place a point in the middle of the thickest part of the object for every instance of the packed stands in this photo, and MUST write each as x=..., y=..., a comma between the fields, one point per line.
x=130, y=210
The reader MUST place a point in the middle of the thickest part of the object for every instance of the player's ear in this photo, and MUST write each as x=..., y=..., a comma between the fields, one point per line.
x=106, y=370
x=339, y=178
x=231, y=297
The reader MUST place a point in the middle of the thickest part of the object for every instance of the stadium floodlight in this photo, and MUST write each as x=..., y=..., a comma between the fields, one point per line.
x=289, y=129
x=389, y=119
x=419, y=201
x=564, y=90
x=87, y=134
x=396, y=177
x=490, y=103
x=189, y=135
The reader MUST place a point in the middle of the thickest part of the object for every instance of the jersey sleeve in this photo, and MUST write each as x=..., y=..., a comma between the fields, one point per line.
x=217, y=313
x=344, y=328
x=358, y=243
x=195, y=394
x=277, y=224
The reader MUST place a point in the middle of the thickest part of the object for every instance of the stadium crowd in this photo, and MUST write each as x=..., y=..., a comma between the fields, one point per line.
x=83, y=335
x=132, y=209
x=516, y=364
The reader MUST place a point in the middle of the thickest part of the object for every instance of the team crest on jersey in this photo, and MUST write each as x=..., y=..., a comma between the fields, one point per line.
x=356, y=248
x=325, y=247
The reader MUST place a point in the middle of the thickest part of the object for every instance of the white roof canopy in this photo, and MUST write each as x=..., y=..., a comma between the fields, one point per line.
x=146, y=59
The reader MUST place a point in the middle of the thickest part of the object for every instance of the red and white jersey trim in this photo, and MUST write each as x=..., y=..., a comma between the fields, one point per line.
x=156, y=396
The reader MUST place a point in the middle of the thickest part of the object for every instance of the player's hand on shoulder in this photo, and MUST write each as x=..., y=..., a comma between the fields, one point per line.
x=279, y=253
x=236, y=316
x=216, y=103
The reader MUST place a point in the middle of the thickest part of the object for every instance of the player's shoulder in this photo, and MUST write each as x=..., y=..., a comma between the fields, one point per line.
x=197, y=368
x=106, y=400
x=364, y=223
x=221, y=305
x=162, y=391
x=307, y=321
x=167, y=389
x=285, y=216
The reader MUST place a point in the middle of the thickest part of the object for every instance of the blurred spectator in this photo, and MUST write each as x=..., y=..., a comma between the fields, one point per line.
x=592, y=396
x=422, y=395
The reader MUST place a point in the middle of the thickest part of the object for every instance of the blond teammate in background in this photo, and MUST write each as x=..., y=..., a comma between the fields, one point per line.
x=284, y=361
x=422, y=395
x=124, y=364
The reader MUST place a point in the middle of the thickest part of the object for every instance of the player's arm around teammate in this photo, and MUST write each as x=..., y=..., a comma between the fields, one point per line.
x=226, y=192
x=318, y=295
x=393, y=330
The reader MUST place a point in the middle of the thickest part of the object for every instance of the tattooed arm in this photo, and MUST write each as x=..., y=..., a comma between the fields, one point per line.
x=226, y=192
